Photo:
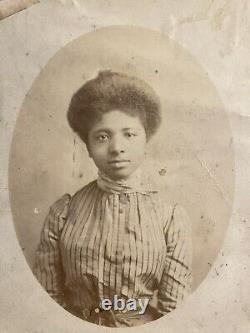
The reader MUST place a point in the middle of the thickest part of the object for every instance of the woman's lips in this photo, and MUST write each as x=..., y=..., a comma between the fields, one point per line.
x=119, y=163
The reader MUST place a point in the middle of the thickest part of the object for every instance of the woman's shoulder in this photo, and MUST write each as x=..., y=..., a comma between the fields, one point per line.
x=163, y=201
x=85, y=190
x=61, y=205
x=171, y=210
x=177, y=216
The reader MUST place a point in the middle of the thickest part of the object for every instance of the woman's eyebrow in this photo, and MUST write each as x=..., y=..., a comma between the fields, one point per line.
x=130, y=128
x=101, y=130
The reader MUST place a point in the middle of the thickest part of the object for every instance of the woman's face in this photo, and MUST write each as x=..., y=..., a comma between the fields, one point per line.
x=117, y=144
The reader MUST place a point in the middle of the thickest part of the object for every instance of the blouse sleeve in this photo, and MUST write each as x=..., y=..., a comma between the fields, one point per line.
x=48, y=266
x=175, y=284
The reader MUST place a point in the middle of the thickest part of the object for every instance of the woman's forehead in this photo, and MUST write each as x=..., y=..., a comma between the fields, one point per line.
x=117, y=119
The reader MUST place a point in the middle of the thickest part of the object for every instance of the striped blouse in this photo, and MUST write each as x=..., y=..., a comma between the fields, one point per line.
x=98, y=244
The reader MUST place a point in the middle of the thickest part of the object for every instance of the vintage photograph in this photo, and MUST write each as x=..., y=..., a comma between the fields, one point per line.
x=115, y=237
x=119, y=195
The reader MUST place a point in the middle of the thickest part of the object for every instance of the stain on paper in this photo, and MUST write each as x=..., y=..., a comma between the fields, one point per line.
x=11, y=7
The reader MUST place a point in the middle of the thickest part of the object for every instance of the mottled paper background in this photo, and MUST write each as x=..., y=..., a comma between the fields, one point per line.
x=216, y=34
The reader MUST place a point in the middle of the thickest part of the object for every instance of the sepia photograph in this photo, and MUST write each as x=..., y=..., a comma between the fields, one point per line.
x=116, y=241
x=114, y=204
x=124, y=178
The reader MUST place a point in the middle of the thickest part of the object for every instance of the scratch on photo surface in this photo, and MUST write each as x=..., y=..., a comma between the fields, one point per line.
x=11, y=7
x=204, y=165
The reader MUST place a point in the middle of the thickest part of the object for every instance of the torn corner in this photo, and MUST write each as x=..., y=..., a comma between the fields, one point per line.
x=11, y=7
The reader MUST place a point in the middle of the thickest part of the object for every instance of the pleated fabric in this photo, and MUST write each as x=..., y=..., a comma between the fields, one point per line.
x=97, y=244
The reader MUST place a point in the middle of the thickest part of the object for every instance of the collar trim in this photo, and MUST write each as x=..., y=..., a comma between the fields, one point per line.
x=131, y=185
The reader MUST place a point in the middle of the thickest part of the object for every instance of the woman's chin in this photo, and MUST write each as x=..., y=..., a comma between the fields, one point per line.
x=119, y=174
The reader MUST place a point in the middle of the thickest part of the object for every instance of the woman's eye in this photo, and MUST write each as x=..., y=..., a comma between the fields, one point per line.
x=102, y=137
x=130, y=134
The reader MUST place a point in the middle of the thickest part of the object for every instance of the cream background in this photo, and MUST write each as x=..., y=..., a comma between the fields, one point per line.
x=217, y=36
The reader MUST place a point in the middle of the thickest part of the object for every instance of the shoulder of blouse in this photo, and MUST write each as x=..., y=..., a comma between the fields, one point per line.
x=59, y=209
x=164, y=207
x=176, y=213
x=59, y=206
x=84, y=190
x=56, y=217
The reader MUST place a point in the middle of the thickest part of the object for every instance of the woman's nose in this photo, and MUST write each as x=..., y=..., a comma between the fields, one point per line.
x=116, y=146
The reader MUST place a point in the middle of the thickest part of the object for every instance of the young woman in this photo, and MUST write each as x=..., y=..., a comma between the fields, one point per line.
x=115, y=238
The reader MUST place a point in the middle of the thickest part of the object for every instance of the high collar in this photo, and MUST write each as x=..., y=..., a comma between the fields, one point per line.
x=132, y=184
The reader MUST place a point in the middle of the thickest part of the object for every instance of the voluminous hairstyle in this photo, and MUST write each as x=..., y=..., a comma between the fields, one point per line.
x=113, y=91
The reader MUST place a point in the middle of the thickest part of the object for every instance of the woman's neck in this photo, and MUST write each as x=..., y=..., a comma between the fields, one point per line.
x=131, y=184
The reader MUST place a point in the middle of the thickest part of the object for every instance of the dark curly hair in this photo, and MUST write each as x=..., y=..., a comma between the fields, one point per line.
x=113, y=91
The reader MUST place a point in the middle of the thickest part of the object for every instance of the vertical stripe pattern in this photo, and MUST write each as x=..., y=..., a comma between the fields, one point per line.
x=97, y=244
